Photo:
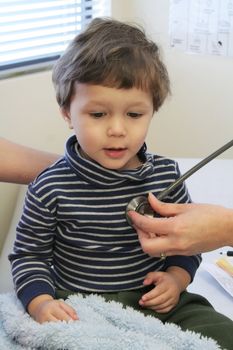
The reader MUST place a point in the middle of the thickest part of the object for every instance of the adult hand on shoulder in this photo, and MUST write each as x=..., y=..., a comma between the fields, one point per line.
x=184, y=229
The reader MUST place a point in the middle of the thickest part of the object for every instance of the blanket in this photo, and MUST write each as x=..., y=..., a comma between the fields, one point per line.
x=102, y=326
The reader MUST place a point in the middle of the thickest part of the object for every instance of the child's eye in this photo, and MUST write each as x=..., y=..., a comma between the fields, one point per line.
x=97, y=114
x=134, y=114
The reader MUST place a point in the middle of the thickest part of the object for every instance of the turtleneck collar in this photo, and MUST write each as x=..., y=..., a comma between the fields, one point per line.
x=94, y=173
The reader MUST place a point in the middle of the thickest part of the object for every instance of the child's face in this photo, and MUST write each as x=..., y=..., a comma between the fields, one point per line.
x=110, y=124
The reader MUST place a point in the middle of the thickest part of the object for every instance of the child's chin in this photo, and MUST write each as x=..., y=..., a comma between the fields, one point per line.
x=115, y=166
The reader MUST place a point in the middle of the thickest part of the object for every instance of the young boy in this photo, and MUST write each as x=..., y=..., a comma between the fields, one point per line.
x=73, y=235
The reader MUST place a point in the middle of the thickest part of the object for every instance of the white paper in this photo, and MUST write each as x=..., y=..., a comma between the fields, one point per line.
x=222, y=277
x=202, y=26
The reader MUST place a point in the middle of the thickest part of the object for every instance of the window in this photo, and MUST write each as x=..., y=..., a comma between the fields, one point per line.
x=34, y=33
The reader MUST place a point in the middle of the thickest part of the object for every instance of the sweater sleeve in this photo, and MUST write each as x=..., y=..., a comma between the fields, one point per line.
x=32, y=258
x=189, y=263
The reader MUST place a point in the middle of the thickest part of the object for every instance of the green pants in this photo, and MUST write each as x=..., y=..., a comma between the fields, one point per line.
x=193, y=312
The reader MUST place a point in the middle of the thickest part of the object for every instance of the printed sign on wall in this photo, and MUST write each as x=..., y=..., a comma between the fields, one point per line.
x=202, y=26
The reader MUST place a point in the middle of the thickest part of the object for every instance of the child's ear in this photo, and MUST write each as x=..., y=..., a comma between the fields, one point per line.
x=66, y=116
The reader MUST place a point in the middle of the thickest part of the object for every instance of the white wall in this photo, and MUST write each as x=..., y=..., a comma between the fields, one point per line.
x=29, y=113
x=195, y=121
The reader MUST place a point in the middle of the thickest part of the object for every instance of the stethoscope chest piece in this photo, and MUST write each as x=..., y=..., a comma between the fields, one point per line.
x=140, y=205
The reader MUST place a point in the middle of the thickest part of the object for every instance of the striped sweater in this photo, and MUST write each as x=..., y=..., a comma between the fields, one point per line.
x=73, y=233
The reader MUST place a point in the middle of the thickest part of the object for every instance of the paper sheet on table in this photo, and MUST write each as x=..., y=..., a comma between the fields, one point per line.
x=222, y=277
x=226, y=264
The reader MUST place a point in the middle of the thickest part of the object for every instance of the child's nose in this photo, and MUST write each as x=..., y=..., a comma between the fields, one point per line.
x=117, y=126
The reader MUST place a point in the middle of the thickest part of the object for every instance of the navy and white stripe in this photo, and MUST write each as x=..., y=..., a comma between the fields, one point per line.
x=73, y=233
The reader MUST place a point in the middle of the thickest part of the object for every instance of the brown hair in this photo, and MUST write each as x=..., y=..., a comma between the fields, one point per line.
x=113, y=54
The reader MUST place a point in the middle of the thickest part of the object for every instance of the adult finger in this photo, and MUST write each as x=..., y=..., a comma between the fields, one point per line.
x=166, y=209
x=151, y=225
x=155, y=246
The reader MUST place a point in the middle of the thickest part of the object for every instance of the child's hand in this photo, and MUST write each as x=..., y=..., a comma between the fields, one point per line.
x=164, y=296
x=46, y=309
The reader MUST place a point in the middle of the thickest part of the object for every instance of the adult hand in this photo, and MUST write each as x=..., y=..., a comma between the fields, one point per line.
x=184, y=229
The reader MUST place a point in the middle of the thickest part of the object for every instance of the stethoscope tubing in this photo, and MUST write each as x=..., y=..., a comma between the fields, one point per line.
x=196, y=167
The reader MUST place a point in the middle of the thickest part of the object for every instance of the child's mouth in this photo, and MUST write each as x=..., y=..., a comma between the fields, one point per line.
x=115, y=152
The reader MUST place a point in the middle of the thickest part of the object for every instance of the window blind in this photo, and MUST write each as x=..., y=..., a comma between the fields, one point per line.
x=36, y=32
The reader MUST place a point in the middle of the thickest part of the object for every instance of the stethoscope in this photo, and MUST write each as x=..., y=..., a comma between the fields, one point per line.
x=141, y=205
